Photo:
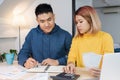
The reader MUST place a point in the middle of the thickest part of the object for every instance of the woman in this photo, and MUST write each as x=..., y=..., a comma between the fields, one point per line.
x=88, y=38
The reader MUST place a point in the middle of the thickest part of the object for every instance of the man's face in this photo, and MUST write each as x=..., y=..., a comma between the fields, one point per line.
x=46, y=21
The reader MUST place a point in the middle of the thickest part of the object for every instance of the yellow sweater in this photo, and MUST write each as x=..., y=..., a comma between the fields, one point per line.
x=99, y=43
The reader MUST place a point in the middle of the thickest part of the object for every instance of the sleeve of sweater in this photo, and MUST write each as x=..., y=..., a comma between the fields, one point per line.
x=73, y=51
x=25, y=52
x=68, y=39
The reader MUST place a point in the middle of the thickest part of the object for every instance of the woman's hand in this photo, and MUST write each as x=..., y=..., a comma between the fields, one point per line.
x=95, y=72
x=70, y=68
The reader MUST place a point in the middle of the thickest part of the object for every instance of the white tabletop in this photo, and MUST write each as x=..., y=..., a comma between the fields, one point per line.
x=17, y=72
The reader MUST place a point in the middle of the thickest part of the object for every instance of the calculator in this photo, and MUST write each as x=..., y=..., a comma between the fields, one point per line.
x=65, y=76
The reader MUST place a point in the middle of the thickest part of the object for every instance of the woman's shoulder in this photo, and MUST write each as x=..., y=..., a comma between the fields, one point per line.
x=104, y=34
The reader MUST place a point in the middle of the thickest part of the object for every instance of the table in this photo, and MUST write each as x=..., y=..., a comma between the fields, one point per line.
x=84, y=74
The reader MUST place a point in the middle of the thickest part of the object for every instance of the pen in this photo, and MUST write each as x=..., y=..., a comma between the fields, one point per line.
x=37, y=64
x=46, y=68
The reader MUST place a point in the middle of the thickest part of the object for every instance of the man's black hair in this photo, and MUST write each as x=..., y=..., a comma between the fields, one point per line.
x=43, y=8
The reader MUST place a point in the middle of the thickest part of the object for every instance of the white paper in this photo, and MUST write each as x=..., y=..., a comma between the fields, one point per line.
x=37, y=69
x=55, y=69
x=91, y=60
x=50, y=69
x=39, y=76
x=11, y=72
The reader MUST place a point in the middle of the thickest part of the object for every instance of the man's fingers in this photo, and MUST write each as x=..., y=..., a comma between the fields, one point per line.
x=31, y=63
x=44, y=62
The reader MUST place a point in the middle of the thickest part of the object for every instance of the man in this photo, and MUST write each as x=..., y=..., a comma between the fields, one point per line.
x=47, y=44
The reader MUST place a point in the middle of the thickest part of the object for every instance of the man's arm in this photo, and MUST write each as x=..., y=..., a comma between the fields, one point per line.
x=68, y=40
x=25, y=52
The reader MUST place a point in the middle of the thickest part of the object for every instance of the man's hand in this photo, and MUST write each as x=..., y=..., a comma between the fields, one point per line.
x=30, y=62
x=49, y=61
x=95, y=72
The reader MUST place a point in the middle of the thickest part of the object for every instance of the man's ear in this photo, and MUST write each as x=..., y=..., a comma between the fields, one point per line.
x=36, y=19
x=54, y=16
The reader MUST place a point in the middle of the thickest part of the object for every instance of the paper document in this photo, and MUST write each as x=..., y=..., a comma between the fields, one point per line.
x=55, y=69
x=39, y=76
x=43, y=69
x=37, y=69
x=91, y=59
x=11, y=72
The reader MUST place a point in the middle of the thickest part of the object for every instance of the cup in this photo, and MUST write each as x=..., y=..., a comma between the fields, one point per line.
x=9, y=58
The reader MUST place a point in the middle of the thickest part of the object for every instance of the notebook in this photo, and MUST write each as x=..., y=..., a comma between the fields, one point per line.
x=46, y=69
x=110, y=67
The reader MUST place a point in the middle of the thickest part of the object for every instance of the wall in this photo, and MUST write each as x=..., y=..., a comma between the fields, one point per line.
x=80, y=3
x=111, y=24
x=8, y=36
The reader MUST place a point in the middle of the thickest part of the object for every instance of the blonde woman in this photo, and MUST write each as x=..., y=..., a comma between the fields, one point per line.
x=88, y=38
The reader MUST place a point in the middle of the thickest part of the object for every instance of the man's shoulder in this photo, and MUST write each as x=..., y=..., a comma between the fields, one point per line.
x=66, y=33
x=34, y=29
x=63, y=31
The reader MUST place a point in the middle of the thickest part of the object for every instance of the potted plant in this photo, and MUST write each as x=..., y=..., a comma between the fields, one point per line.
x=1, y=57
x=10, y=56
x=13, y=51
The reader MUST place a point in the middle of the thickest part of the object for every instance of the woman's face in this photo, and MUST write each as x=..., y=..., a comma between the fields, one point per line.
x=82, y=25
